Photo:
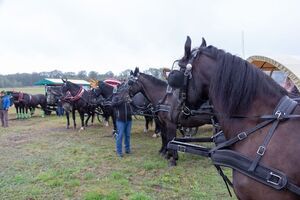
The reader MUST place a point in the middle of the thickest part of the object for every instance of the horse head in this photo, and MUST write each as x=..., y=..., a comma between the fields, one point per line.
x=191, y=92
x=134, y=82
x=104, y=89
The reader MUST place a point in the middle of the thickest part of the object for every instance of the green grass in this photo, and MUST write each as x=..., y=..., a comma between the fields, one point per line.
x=30, y=90
x=40, y=159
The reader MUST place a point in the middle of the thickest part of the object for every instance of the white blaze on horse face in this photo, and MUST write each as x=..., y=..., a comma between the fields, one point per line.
x=189, y=67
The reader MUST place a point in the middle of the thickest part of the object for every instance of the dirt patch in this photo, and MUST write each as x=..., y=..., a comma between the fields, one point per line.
x=14, y=140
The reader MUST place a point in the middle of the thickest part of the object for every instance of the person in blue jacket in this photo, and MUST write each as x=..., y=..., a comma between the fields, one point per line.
x=4, y=106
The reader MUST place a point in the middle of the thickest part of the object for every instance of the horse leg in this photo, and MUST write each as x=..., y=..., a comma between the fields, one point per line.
x=21, y=111
x=114, y=123
x=87, y=119
x=68, y=119
x=157, y=126
x=172, y=155
x=163, y=149
x=29, y=113
x=82, y=120
x=26, y=112
x=74, y=118
x=93, y=117
x=17, y=111
x=147, y=121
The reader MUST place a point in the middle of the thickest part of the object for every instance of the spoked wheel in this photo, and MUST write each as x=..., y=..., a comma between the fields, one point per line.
x=99, y=113
x=188, y=132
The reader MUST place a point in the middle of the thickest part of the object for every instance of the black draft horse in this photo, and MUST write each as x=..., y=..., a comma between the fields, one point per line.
x=79, y=99
x=155, y=91
x=237, y=88
x=54, y=94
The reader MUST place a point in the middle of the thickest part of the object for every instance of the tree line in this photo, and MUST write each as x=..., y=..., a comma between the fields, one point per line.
x=28, y=79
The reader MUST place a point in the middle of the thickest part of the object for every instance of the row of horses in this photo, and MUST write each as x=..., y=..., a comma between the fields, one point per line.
x=26, y=104
x=259, y=121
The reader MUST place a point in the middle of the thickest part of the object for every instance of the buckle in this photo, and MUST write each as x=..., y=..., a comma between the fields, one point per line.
x=274, y=179
x=181, y=148
x=242, y=135
x=169, y=89
x=186, y=111
x=261, y=150
x=279, y=115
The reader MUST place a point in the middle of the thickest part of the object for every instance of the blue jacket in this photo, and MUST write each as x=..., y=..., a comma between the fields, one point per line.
x=5, y=102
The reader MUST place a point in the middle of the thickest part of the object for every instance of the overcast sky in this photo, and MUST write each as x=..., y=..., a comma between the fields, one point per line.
x=103, y=35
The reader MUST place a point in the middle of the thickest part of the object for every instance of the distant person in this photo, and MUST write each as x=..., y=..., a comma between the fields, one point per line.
x=59, y=108
x=291, y=87
x=123, y=114
x=4, y=106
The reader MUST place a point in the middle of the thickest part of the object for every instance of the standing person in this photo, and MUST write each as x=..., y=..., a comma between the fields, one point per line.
x=291, y=87
x=4, y=106
x=123, y=114
x=59, y=109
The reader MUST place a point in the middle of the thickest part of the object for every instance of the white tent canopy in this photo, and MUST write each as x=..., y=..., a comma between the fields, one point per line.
x=290, y=65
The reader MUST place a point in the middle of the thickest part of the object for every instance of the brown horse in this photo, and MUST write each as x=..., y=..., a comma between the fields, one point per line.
x=237, y=88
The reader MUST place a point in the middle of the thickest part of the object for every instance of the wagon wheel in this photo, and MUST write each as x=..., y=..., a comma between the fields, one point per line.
x=99, y=113
x=188, y=132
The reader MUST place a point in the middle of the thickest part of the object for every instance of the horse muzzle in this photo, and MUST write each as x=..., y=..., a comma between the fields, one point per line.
x=176, y=79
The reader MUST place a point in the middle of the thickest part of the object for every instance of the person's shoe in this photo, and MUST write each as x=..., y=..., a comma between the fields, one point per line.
x=128, y=152
x=120, y=155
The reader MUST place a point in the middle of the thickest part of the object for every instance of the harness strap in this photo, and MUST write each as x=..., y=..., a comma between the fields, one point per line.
x=261, y=150
x=268, y=176
x=242, y=135
x=161, y=108
x=225, y=179
x=285, y=106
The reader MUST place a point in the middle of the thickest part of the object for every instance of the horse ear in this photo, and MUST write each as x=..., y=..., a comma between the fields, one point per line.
x=203, y=43
x=131, y=72
x=63, y=80
x=136, y=71
x=187, y=47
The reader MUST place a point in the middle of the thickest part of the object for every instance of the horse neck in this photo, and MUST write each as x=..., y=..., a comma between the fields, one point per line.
x=74, y=89
x=107, y=91
x=152, y=91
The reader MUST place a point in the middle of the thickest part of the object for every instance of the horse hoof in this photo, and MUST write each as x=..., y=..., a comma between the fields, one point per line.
x=154, y=135
x=145, y=130
x=106, y=124
x=68, y=127
x=171, y=164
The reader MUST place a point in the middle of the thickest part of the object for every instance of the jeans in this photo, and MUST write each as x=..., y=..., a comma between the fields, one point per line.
x=123, y=129
x=4, y=118
x=59, y=111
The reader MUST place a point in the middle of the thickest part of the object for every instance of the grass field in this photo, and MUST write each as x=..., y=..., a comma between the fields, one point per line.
x=40, y=159
x=30, y=90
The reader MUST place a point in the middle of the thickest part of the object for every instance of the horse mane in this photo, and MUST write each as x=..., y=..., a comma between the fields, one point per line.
x=237, y=83
x=154, y=80
x=106, y=89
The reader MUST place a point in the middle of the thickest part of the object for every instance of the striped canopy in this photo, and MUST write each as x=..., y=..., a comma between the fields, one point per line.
x=288, y=65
